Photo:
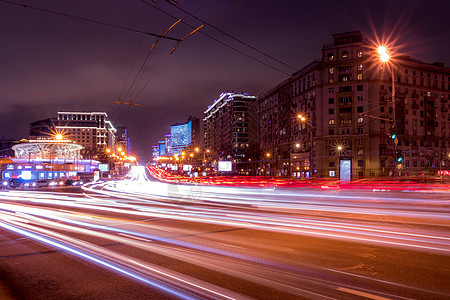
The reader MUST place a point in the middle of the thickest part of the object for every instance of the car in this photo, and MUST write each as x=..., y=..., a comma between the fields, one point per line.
x=16, y=183
x=41, y=183
x=29, y=184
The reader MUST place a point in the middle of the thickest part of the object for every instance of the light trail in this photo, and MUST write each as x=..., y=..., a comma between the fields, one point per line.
x=128, y=212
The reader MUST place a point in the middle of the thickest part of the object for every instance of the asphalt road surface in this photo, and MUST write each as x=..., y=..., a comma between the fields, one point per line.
x=143, y=239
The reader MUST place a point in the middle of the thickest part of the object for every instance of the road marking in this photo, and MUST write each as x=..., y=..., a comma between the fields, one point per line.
x=362, y=294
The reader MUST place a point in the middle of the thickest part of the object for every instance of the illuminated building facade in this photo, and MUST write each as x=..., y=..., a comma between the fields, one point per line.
x=231, y=128
x=184, y=135
x=123, y=139
x=346, y=98
x=47, y=159
x=92, y=130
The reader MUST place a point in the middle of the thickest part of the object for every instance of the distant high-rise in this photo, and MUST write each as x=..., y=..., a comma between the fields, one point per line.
x=184, y=135
x=123, y=139
x=231, y=127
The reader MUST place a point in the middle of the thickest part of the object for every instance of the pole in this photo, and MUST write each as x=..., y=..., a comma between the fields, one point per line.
x=394, y=122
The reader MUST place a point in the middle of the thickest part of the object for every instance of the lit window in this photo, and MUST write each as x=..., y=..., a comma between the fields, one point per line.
x=360, y=67
x=331, y=173
x=331, y=70
x=330, y=80
x=330, y=56
x=360, y=53
x=344, y=54
x=359, y=77
x=360, y=120
x=331, y=121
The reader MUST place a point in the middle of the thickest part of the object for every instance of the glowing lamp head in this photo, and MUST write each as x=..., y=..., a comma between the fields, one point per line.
x=297, y=145
x=382, y=51
x=59, y=137
x=119, y=149
x=108, y=150
x=268, y=154
x=197, y=149
x=339, y=148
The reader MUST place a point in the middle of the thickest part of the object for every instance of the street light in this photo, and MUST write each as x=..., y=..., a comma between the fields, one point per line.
x=384, y=58
x=303, y=119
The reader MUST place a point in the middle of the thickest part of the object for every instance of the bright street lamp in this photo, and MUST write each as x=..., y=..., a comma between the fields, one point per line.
x=384, y=58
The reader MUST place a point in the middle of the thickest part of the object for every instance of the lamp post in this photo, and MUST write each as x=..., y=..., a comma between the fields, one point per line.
x=311, y=165
x=384, y=58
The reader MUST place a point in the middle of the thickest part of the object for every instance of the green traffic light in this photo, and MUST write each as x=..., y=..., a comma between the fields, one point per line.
x=399, y=159
x=393, y=136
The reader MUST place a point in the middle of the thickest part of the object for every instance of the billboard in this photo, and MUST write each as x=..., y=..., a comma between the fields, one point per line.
x=103, y=167
x=225, y=166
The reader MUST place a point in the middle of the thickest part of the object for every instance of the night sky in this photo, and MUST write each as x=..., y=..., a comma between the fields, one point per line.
x=51, y=62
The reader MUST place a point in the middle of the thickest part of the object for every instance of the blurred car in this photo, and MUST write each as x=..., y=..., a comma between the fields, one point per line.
x=42, y=183
x=16, y=183
x=29, y=184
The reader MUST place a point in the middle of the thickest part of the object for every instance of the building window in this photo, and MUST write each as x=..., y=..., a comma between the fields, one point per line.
x=360, y=67
x=331, y=173
x=360, y=120
x=330, y=80
x=330, y=56
x=359, y=77
x=344, y=54
x=331, y=71
x=331, y=131
x=331, y=122
x=359, y=109
x=359, y=87
x=360, y=53
x=360, y=98
x=360, y=163
x=331, y=90
x=331, y=111
x=360, y=152
x=330, y=100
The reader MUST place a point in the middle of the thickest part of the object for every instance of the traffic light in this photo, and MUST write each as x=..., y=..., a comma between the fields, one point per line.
x=399, y=156
x=393, y=134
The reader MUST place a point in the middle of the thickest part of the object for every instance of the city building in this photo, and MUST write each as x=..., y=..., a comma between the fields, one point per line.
x=185, y=135
x=92, y=130
x=349, y=115
x=123, y=139
x=47, y=159
x=231, y=130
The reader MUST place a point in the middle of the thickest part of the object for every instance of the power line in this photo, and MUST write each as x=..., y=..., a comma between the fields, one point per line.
x=90, y=20
x=230, y=36
x=220, y=42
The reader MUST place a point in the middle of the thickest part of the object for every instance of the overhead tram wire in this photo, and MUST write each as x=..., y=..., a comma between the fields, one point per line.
x=208, y=23
x=90, y=20
x=140, y=73
x=220, y=42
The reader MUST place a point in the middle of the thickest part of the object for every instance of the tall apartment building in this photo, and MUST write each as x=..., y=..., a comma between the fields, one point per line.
x=123, y=139
x=92, y=130
x=346, y=98
x=231, y=128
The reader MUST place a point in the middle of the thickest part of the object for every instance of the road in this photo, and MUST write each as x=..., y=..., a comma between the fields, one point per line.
x=144, y=239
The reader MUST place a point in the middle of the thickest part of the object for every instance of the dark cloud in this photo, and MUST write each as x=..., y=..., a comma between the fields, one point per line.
x=51, y=62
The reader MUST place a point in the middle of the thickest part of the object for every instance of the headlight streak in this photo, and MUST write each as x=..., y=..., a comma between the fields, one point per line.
x=272, y=218
x=273, y=222
x=168, y=281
